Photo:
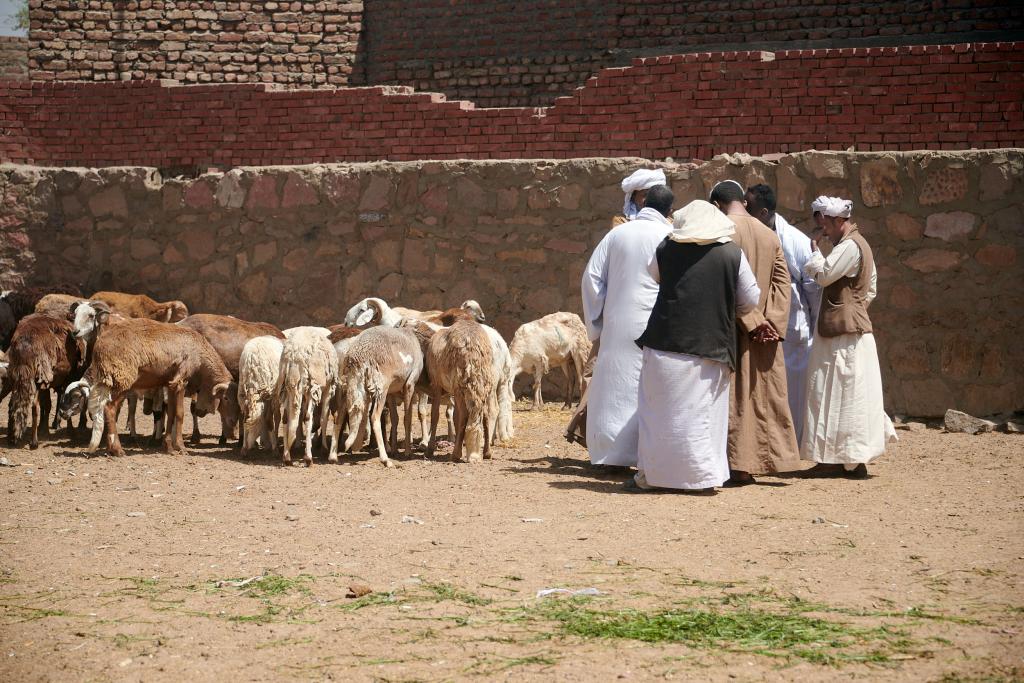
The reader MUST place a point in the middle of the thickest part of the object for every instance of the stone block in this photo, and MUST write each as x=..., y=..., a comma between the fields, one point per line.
x=341, y=189
x=879, y=182
x=932, y=260
x=994, y=182
x=825, y=165
x=909, y=358
x=470, y=195
x=996, y=255
x=416, y=257
x=298, y=192
x=199, y=243
x=172, y=255
x=435, y=200
x=903, y=227
x=386, y=255
x=230, y=193
x=263, y=193
x=569, y=196
x=508, y=199
x=198, y=194
x=956, y=421
x=142, y=249
x=903, y=296
x=951, y=226
x=959, y=356
x=944, y=185
x=566, y=246
x=109, y=202
x=390, y=286
x=253, y=288
x=791, y=192
x=263, y=253
x=296, y=260
x=377, y=194
x=926, y=397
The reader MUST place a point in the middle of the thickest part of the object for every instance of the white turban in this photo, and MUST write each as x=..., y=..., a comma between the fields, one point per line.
x=832, y=206
x=642, y=179
x=699, y=222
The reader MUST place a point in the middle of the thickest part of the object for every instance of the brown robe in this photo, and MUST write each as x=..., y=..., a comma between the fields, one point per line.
x=761, y=434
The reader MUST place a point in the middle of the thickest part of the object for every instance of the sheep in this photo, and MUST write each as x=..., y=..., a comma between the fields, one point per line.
x=377, y=311
x=558, y=340
x=228, y=335
x=140, y=354
x=8, y=323
x=57, y=305
x=501, y=415
x=44, y=355
x=460, y=363
x=258, y=367
x=380, y=361
x=323, y=331
x=308, y=377
x=18, y=303
x=141, y=306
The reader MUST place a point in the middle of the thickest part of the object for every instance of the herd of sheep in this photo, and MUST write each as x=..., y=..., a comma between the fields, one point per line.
x=314, y=383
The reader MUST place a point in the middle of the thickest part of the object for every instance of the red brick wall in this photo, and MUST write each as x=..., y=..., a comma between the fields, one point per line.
x=683, y=106
x=13, y=58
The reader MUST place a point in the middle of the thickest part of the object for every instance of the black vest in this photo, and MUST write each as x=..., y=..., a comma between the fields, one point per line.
x=695, y=312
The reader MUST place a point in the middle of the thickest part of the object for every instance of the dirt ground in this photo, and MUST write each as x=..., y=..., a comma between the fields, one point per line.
x=214, y=567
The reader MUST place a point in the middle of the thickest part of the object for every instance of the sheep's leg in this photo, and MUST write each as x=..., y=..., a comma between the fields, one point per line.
x=110, y=413
x=273, y=421
x=55, y=422
x=375, y=417
x=449, y=413
x=308, y=416
x=569, y=382
x=538, y=397
x=179, y=420
x=325, y=422
x=33, y=442
x=290, y=418
x=357, y=424
x=340, y=415
x=460, y=428
x=473, y=433
x=82, y=426
x=393, y=419
x=133, y=400
x=435, y=417
x=410, y=390
x=579, y=365
x=173, y=416
x=99, y=397
x=196, y=435
x=423, y=413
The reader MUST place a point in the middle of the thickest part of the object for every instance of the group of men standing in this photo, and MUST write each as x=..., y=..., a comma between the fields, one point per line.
x=718, y=359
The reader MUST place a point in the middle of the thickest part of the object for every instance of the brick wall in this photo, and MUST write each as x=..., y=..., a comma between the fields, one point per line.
x=496, y=53
x=299, y=245
x=13, y=58
x=527, y=53
x=194, y=41
x=683, y=106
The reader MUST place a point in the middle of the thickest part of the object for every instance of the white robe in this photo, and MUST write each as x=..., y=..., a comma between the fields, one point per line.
x=804, y=300
x=684, y=410
x=618, y=295
x=844, y=422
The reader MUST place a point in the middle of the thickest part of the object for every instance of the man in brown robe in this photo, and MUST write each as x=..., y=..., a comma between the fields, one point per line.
x=762, y=439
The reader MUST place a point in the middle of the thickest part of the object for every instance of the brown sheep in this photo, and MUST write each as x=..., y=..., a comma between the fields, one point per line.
x=141, y=306
x=228, y=335
x=461, y=364
x=58, y=305
x=44, y=355
x=16, y=304
x=139, y=355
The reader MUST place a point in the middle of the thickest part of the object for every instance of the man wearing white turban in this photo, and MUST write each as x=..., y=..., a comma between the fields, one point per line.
x=618, y=294
x=635, y=188
x=845, y=426
x=689, y=352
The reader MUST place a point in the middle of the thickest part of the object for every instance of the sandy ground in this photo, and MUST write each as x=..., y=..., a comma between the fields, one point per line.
x=135, y=568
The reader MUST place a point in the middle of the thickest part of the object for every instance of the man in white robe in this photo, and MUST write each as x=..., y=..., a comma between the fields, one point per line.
x=690, y=352
x=845, y=425
x=618, y=294
x=635, y=186
x=803, y=302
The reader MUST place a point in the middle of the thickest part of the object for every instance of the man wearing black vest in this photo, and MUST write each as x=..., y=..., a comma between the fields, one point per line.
x=689, y=352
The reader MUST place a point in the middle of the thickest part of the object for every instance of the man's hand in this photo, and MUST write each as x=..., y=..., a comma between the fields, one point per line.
x=764, y=334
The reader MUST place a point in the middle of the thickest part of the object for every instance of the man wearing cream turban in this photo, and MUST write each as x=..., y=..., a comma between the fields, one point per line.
x=635, y=188
x=762, y=438
x=618, y=294
x=845, y=426
x=689, y=352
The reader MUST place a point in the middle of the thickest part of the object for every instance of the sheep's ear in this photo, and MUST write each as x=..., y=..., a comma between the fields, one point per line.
x=365, y=317
x=102, y=317
x=74, y=307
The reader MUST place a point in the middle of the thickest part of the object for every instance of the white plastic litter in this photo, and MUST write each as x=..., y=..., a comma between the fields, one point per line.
x=566, y=591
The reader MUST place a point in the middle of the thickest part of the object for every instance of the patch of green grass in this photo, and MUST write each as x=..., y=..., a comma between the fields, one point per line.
x=446, y=591
x=21, y=613
x=371, y=600
x=734, y=628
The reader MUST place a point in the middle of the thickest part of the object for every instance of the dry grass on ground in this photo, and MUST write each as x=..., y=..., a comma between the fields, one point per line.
x=213, y=567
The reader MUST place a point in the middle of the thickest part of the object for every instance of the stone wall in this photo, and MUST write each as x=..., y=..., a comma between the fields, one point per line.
x=679, y=106
x=13, y=58
x=493, y=52
x=301, y=244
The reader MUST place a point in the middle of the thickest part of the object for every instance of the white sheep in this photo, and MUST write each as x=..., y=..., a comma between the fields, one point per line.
x=460, y=362
x=375, y=310
x=500, y=416
x=307, y=379
x=258, y=369
x=558, y=340
x=380, y=361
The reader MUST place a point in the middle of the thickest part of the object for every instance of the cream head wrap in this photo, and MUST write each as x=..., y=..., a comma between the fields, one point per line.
x=642, y=179
x=699, y=222
x=832, y=206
